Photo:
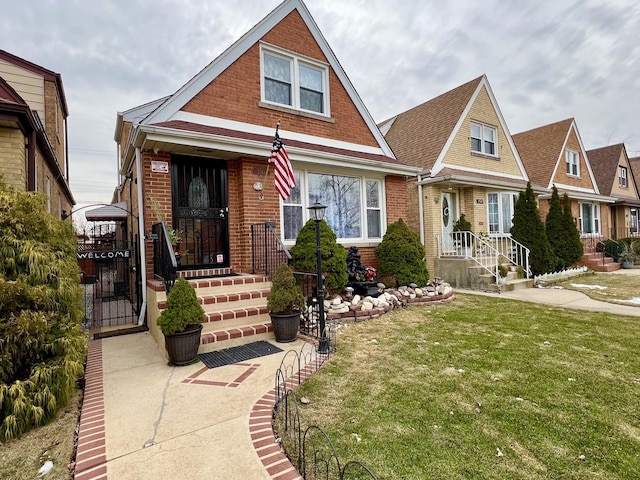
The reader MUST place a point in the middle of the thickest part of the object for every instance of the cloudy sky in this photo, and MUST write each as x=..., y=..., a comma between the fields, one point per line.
x=546, y=60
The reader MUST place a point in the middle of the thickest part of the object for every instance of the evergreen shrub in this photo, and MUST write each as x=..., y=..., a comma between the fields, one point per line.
x=401, y=257
x=285, y=296
x=334, y=256
x=42, y=346
x=182, y=309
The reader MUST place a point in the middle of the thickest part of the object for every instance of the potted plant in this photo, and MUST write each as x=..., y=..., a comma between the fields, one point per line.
x=627, y=255
x=285, y=303
x=181, y=323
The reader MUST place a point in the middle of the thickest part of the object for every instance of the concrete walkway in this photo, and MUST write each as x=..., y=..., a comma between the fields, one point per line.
x=142, y=419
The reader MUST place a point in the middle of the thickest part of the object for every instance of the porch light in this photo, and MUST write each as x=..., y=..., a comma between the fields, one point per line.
x=317, y=211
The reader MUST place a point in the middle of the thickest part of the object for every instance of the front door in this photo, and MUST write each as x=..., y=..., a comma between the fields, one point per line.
x=201, y=211
x=448, y=217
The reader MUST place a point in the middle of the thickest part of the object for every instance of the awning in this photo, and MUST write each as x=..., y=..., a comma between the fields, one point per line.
x=115, y=211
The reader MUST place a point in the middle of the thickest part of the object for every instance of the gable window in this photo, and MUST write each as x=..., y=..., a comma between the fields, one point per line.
x=622, y=177
x=483, y=138
x=354, y=205
x=573, y=163
x=590, y=219
x=294, y=82
x=500, y=212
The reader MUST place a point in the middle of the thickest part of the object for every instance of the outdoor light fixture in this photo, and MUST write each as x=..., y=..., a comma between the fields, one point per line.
x=317, y=213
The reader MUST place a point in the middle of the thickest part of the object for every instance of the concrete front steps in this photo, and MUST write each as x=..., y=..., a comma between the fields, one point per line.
x=598, y=262
x=511, y=282
x=235, y=307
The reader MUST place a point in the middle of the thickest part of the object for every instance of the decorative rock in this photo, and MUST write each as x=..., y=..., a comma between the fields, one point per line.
x=381, y=286
x=356, y=300
x=367, y=306
x=413, y=285
x=340, y=309
x=336, y=301
x=419, y=292
x=412, y=295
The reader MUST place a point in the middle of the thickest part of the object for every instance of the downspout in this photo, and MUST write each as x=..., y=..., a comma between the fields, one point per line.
x=143, y=253
x=31, y=163
x=421, y=209
x=66, y=149
x=119, y=174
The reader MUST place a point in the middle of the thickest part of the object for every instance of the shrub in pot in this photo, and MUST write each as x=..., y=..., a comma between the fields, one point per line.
x=285, y=303
x=181, y=323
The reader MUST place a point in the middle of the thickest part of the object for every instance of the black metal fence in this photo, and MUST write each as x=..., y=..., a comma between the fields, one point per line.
x=309, y=449
x=310, y=318
x=164, y=260
x=267, y=251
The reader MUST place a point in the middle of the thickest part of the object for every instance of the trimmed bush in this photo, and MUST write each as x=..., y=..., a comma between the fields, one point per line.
x=334, y=256
x=42, y=347
x=182, y=309
x=562, y=232
x=285, y=296
x=401, y=257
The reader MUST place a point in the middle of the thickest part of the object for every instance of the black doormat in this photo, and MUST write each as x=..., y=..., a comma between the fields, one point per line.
x=232, y=355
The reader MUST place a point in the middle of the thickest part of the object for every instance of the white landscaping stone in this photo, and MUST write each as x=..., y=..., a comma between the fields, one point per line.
x=356, y=300
x=336, y=301
x=367, y=306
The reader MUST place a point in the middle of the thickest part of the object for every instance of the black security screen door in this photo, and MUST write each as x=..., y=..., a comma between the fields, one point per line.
x=200, y=212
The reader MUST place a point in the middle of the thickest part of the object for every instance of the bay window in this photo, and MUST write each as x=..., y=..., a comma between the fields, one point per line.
x=354, y=205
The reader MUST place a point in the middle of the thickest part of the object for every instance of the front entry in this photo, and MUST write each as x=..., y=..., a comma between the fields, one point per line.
x=201, y=211
x=448, y=216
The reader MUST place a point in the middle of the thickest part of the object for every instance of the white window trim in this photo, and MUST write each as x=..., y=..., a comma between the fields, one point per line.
x=573, y=154
x=596, y=219
x=295, y=62
x=495, y=139
x=364, y=238
x=513, y=197
x=623, y=177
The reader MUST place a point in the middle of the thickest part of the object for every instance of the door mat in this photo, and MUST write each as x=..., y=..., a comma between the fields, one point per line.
x=232, y=355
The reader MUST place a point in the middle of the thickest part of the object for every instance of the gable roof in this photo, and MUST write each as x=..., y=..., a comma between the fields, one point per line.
x=8, y=94
x=422, y=135
x=419, y=135
x=542, y=150
x=172, y=105
x=604, y=162
x=37, y=69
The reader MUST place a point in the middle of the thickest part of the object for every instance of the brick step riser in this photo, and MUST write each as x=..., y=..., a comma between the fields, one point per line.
x=231, y=301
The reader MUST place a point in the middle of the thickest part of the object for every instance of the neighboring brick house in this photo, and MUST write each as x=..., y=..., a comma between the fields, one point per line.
x=33, y=132
x=198, y=158
x=469, y=165
x=555, y=155
x=615, y=178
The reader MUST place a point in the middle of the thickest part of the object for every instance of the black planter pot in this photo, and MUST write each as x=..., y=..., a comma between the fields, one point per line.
x=182, y=347
x=285, y=327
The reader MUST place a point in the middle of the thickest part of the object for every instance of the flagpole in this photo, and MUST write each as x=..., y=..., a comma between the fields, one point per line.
x=269, y=161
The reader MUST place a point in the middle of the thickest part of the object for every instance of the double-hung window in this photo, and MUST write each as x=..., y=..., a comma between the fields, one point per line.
x=295, y=82
x=500, y=212
x=633, y=221
x=483, y=139
x=622, y=177
x=354, y=205
x=573, y=163
x=590, y=219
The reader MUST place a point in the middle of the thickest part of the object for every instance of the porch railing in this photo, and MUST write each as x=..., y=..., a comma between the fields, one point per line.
x=488, y=252
x=164, y=260
x=267, y=251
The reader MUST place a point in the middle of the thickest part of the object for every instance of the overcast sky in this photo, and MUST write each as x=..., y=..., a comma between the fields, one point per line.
x=546, y=60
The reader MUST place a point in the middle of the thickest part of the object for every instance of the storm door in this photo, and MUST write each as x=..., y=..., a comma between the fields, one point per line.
x=200, y=212
x=447, y=203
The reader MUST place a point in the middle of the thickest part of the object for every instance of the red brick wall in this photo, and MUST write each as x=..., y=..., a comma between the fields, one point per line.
x=235, y=93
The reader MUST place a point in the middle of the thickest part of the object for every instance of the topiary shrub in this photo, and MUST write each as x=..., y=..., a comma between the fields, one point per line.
x=182, y=309
x=334, y=256
x=42, y=346
x=285, y=296
x=401, y=257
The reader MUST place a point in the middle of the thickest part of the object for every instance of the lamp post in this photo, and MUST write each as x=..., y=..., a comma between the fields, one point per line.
x=317, y=213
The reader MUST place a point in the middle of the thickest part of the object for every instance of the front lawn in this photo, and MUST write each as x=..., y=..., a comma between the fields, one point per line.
x=484, y=388
x=607, y=287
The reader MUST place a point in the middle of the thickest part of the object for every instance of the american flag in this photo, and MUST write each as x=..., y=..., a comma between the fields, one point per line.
x=284, y=178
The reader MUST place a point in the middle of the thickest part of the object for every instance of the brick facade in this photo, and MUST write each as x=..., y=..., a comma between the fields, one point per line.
x=13, y=155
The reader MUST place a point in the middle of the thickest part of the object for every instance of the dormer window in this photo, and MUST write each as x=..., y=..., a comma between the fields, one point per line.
x=622, y=177
x=483, y=139
x=573, y=163
x=293, y=81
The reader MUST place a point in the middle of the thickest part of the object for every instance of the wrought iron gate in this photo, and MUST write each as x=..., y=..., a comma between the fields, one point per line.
x=110, y=264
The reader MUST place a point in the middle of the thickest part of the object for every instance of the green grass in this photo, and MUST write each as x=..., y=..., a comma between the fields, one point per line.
x=619, y=288
x=433, y=392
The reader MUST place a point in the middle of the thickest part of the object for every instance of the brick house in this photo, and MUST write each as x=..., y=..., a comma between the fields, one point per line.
x=198, y=158
x=615, y=177
x=468, y=165
x=33, y=131
x=555, y=155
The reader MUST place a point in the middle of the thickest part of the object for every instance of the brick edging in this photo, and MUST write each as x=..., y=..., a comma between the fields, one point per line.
x=91, y=454
x=269, y=450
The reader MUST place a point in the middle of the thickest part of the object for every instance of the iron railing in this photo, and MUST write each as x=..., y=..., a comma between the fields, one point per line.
x=267, y=250
x=608, y=247
x=486, y=251
x=164, y=260
x=310, y=449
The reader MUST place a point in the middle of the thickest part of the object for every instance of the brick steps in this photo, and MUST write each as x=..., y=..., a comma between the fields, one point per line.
x=597, y=262
x=236, y=310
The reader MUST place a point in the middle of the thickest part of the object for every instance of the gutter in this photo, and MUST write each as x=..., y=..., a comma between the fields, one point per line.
x=141, y=239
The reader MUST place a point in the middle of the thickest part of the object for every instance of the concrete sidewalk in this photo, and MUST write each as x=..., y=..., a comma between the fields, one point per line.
x=142, y=419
